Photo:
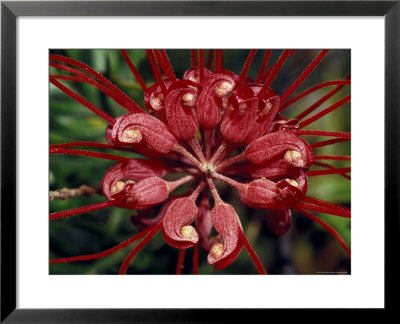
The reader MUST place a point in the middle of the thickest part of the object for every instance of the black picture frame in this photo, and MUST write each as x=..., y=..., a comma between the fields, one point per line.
x=11, y=10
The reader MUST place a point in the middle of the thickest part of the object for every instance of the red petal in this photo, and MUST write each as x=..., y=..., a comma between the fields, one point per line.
x=153, y=132
x=135, y=170
x=281, y=144
x=180, y=113
x=265, y=116
x=142, y=195
x=227, y=224
x=179, y=215
x=239, y=119
x=262, y=194
x=209, y=103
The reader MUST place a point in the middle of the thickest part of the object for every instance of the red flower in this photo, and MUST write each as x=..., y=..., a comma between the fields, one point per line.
x=211, y=125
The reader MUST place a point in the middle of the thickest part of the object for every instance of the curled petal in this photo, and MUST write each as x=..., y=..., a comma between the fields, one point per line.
x=193, y=74
x=279, y=221
x=141, y=195
x=177, y=230
x=226, y=247
x=209, y=104
x=267, y=110
x=240, y=116
x=281, y=144
x=180, y=113
x=279, y=170
x=154, y=97
x=135, y=170
x=262, y=194
x=133, y=128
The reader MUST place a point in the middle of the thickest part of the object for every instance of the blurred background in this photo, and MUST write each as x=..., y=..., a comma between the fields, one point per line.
x=306, y=248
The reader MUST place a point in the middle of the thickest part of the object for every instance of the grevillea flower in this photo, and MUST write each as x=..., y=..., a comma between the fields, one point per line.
x=197, y=134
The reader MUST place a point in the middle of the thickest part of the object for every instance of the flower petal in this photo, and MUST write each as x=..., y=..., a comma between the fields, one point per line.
x=209, y=104
x=176, y=229
x=132, y=128
x=283, y=144
x=225, y=249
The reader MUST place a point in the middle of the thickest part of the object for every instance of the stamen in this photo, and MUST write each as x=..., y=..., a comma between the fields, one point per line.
x=340, y=84
x=201, y=64
x=81, y=100
x=332, y=157
x=156, y=71
x=218, y=60
x=263, y=66
x=89, y=153
x=325, y=172
x=329, y=142
x=324, y=133
x=193, y=58
x=134, y=70
x=325, y=210
x=252, y=253
x=130, y=105
x=274, y=71
x=99, y=77
x=81, y=210
x=246, y=66
x=320, y=101
x=326, y=111
x=104, y=253
x=304, y=75
x=137, y=249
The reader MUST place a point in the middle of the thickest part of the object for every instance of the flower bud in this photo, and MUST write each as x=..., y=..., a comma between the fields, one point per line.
x=134, y=170
x=225, y=249
x=177, y=230
x=193, y=74
x=209, y=104
x=240, y=116
x=279, y=221
x=204, y=223
x=141, y=195
x=262, y=194
x=181, y=116
x=266, y=112
x=284, y=144
x=154, y=97
x=132, y=128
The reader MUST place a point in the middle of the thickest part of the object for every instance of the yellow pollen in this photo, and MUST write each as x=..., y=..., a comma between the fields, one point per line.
x=292, y=182
x=131, y=136
x=188, y=99
x=188, y=232
x=217, y=250
x=294, y=157
x=117, y=187
x=223, y=88
x=156, y=102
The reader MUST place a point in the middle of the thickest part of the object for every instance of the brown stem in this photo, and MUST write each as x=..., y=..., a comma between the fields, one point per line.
x=65, y=193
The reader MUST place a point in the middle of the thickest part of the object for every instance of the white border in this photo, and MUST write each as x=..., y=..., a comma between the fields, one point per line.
x=363, y=288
